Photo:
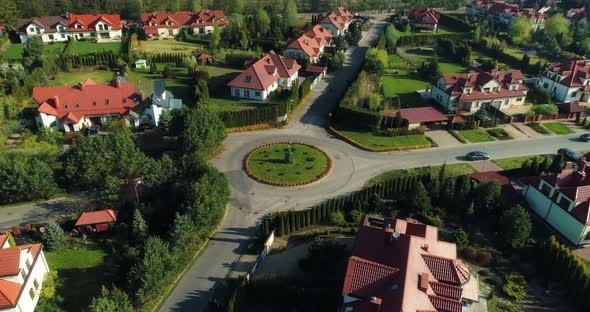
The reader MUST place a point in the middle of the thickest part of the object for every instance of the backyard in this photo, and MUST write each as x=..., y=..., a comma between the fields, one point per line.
x=14, y=51
x=85, y=47
x=380, y=142
x=168, y=46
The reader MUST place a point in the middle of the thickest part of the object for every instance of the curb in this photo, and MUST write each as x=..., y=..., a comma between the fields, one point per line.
x=262, y=180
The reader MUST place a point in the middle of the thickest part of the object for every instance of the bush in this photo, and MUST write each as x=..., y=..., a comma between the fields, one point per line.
x=484, y=258
x=54, y=236
x=238, y=58
x=515, y=286
x=337, y=218
x=537, y=95
x=545, y=109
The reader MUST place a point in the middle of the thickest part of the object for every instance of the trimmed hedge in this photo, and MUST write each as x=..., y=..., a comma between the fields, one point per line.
x=432, y=39
x=455, y=22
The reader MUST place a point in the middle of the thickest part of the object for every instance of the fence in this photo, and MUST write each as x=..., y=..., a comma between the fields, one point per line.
x=504, y=118
x=264, y=253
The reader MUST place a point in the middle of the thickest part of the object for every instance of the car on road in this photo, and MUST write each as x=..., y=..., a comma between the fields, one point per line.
x=585, y=137
x=477, y=155
x=568, y=154
x=93, y=131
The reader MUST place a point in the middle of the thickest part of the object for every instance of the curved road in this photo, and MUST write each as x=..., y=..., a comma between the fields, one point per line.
x=352, y=169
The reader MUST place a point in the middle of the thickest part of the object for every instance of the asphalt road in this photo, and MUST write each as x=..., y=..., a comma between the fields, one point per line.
x=352, y=169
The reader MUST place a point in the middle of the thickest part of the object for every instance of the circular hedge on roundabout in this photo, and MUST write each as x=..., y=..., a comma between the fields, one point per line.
x=287, y=164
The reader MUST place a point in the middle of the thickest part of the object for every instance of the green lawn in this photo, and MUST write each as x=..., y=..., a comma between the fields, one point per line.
x=499, y=134
x=73, y=78
x=14, y=51
x=168, y=46
x=446, y=66
x=451, y=170
x=81, y=268
x=476, y=135
x=378, y=142
x=270, y=163
x=404, y=84
x=558, y=128
x=83, y=47
x=515, y=162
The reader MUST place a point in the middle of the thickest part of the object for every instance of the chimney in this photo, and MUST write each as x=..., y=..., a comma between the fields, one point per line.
x=81, y=85
x=117, y=83
x=425, y=247
x=423, y=283
x=376, y=304
x=142, y=96
x=56, y=101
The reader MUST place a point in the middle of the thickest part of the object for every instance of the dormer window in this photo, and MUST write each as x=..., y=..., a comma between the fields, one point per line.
x=32, y=29
x=65, y=106
x=93, y=103
x=124, y=100
x=152, y=24
x=78, y=26
x=106, y=102
x=77, y=105
x=486, y=90
x=513, y=87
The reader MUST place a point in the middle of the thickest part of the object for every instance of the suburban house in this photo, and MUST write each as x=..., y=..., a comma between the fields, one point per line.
x=337, y=21
x=97, y=221
x=22, y=273
x=159, y=25
x=423, y=19
x=563, y=200
x=416, y=117
x=160, y=101
x=568, y=81
x=309, y=45
x=264, y=76
x=72, y=108
x=398, y=265
x=506, y=14
x=102, y=27
x=475, y=88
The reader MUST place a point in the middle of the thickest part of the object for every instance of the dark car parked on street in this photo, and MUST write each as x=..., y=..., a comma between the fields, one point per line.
x=568, y=154
x=477, y=155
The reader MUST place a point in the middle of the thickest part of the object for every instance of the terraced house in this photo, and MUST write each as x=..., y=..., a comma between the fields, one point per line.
x=568, y=81
x=337, y=21
x=159, y=25
x=310, y=45
x=264, y=76
x=475, y=88
x=102, y=27
x=400, y=265
x=22, y=273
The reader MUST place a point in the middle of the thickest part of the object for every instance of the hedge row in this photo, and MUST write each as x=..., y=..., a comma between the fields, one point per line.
x=454, y=22
x=166, y=57
x=290, y=221
x=432, y=39
x=363, y=119
x=108, y=59
x=262, y=115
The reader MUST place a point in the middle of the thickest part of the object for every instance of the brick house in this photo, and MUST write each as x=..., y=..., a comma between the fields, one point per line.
x=159, y=25
x=264, y=76
x=102, y=27
x=568, y=81
x=22, y=273
x=72, y=108
x=475, y=88
x=563, y=200
x=423, y=19
x=399, y=265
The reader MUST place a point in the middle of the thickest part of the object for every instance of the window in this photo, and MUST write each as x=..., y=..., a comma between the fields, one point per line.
x=106, y=102
x=36, y=284
x=32, y=294
x=124, y=100
x=81, y=35
x=65, y=105
x=93, y=103
x=574, y=94
x=236, y=92
x=63, y=36
x=545, y=85
x=50, y=37
x=587, y=236
x=32, y=29
x=518, y=99
x=513, y=87
x=52, y=124
x=28, y=264
x=247, y=93
x=92, y=35
x=78, y=26
x=257, y=93
x=23, y=274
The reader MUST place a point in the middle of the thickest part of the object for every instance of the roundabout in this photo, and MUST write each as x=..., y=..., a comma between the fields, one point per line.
x=287, y=164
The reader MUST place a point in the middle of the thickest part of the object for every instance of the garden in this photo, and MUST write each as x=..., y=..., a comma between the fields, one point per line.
x=288, y=164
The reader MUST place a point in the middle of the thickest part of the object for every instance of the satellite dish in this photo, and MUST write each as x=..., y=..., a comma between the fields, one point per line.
x=396, y=234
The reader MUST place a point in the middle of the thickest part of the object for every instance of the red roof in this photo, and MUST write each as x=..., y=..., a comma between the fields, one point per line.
x=412, y=271
x=3, y=239
x=573, y=70
x=8, y=293
x=335, y=20
x=153, y=21
x=423, y=16
x=10, y=266
x=87, y=99
x=97, y=217
x=316, y=69
x=264, y=72
x=203, y=56
x=419, y=114
x=89, y=21
x=9, y=262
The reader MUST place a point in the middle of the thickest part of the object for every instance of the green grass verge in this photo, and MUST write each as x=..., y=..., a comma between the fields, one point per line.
x=81, y=268
x=538, y=127
x=515, y=162
x=73, y=78
x=558, y=128
x=451, y=169
x=457, y=136
x=499, y=134
x=270, y=163
x=372, y=140
x=404, y=84
x=475, y=135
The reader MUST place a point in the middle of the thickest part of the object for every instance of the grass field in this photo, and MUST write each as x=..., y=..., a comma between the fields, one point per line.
x=14, y=51
x=378, y=142
x=450, y=169
x=476, y=135
x=446, y=66
x=404, y=84
x=73, y=78
x=558, y=128
x=81, y=267
x=270, y=163
x=167, y=46
x=515, y=162
x=84, y=47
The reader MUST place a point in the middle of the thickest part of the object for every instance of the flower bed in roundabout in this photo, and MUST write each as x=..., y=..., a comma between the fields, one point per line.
x=287, y=164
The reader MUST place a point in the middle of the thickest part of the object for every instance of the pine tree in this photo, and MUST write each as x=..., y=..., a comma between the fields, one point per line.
x=557, y=164
x=420, y=201
x=139, y=227
x=54, y=236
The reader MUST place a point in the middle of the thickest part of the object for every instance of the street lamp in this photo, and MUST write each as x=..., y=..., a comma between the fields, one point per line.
x=137, y=184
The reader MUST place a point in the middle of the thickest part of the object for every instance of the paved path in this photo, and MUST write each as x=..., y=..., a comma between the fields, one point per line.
x=485, y=166
x=443, y=138
x=513, y=131
x=528, y=131
x=352, y=169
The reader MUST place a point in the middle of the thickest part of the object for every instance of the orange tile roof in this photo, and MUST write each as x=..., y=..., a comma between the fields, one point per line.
x=89, y=21
x=9, y=261
x=264, y=72
x=204, y=17
x=3, y=239
x=9, y=292
x=97, y=217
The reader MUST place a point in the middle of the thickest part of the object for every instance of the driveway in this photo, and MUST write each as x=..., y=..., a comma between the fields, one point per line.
x=528, y=131
x=443, y=138
x=40, y=212
x=514, y=131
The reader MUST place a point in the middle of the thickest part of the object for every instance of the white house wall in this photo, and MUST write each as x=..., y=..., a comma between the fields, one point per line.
x=249, y=93
x=559, y=91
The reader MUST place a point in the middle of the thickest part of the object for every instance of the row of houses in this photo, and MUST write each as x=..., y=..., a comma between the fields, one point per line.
x=108, y=27
x=422, y=19
x=72, y=108
x=507, y=13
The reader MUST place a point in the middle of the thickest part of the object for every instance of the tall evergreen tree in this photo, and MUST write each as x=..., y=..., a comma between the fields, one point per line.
x=420, y=201
x=139, y=227
x=557, y=164
x=516, y=226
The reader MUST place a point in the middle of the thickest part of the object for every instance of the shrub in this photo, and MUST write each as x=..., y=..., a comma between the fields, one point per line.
x=545, y=109
x=537, y=95
x=515, y=286
x=470, y=253
x=337, y=217
x=54, y=236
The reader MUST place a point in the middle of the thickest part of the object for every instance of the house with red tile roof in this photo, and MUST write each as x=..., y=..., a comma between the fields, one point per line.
x=568, y=81
x=563, y=200
x=102, y=27
x=162, y=24
x=264, y=76
x=22, y=273
x=398, y=265
x=337, y=21
x=475, y=88
x=72, y=108
x=310, y=45
x=507, y=13
x=97, y=221
x=423, y=19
